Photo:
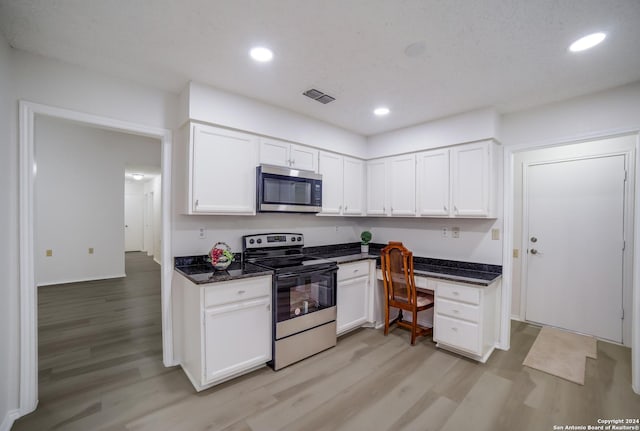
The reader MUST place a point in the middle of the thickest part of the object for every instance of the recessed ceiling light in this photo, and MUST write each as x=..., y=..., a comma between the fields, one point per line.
x=137, y=177
x=381, y=111
x=587, y=42
x=261, y=54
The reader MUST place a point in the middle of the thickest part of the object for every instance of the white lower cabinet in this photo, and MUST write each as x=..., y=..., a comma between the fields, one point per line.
x=226, y=330
x=466, y=318
x=353, y=299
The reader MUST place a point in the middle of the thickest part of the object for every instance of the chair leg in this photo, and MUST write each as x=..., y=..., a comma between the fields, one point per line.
x=386, y=320
x=414, y=327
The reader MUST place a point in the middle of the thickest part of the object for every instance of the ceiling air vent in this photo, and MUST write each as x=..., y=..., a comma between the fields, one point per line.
x=319, y=96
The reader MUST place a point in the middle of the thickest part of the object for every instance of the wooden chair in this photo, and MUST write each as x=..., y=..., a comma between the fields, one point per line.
x=400, y=289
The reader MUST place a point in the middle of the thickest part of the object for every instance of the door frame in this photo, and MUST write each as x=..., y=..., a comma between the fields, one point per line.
x=507, y=245
x=627, y=274
x=28, y=329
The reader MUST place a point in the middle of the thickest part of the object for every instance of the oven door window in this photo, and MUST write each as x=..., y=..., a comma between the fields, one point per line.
x=304, y=294
x=286, y=190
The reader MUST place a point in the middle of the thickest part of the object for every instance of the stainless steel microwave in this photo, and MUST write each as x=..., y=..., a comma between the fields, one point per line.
x=282, y=189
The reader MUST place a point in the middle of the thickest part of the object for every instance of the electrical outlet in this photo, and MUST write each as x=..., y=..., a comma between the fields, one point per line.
x=455, y=232
x=90, y=250
x=49, y=253
x=445, y=232
x=202, y=233
x=495, y=234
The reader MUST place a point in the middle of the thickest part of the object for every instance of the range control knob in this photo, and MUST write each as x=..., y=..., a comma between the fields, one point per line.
x=299, y=238
x=251, y=241
x=259, y=240
x=293, y=239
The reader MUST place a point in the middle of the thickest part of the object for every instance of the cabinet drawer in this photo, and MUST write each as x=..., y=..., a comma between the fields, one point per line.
x=457, y=333
x=353, y=270
x=237, y=290
x=458, y=293
x=458, y=310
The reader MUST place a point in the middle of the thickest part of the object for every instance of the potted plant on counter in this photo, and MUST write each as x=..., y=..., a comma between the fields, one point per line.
x=365, y=239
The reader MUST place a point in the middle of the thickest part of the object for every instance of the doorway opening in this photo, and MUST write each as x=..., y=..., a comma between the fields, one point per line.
x=28, y=354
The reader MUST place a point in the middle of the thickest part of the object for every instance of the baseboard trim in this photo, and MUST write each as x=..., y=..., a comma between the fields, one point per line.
x=9, y=419
x=81, y=280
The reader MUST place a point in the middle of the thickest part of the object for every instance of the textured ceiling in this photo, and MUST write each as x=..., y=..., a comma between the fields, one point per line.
x=508, y=54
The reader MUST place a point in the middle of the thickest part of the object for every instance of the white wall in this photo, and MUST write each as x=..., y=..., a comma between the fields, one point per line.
x=80, y=198
x=155, y=186
x=466, y=127
x=594, y=114
x=318, y=230
x=8, y=242
x=215, y=106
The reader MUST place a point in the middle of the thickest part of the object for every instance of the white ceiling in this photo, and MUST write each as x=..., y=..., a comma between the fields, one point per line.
x=508, y=54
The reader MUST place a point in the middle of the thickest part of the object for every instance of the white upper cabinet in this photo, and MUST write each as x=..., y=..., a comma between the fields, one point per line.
x=457, y=181
x=433, y=183
x=342, y=184
x=376, y=187
x=391, y=186
x=353, y=186
x=471, y=173
x=402, y=185
x=332, y=180
x=221, y=171
x=280, y=153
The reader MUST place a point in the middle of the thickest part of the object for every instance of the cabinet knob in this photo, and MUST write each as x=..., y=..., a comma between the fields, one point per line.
x=455, y=208
x=339, y=207
x=268, y=307
x=445, y=208
x=345, y=207
x=197, y=202
x=293, y=162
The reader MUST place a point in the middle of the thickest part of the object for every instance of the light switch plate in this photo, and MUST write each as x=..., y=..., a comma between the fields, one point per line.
x=516, y=252
x=495, y=234
x=49, y=253
x=90, y=250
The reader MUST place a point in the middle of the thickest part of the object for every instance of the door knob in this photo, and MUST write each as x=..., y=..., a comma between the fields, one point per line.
x=534, y=251
x=534, y=239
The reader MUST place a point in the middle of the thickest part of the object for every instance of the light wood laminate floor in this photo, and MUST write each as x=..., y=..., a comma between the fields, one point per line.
x=101, y=369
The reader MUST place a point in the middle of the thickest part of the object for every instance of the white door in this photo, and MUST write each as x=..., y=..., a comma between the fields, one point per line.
x=353, y=186
x=376, y=187
x=133, y=226
x=304, y=158
x=433, y=183
x=575, y=245
x=402, y=185
x=331, y=170
x=470, y=179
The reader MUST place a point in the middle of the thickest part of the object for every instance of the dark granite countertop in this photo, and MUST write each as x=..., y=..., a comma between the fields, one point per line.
x=199, y=271
x=467, y=272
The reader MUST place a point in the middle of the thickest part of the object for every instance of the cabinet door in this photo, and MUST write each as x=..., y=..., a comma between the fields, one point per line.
x=376, y=187
x=223, y=171
x=332, y=179
x=304, y=158
x=237, y=337
x=471, y=170
x=274, y=152
x=353, y=186
x=352, y=303
x=402, y=185
x=433, y=185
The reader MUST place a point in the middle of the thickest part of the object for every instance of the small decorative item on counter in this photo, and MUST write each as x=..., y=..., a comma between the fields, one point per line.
x=220, y=256
x=365, y=238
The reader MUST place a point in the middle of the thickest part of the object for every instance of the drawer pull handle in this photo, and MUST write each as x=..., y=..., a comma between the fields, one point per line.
x=456, y=311
x=241, y=292
x=456, y=293
x=454, y=329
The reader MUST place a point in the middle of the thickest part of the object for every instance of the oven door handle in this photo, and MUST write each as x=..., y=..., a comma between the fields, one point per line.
x=309, y=272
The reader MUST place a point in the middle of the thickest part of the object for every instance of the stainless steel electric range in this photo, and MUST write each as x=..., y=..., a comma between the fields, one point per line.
x=304, y=295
